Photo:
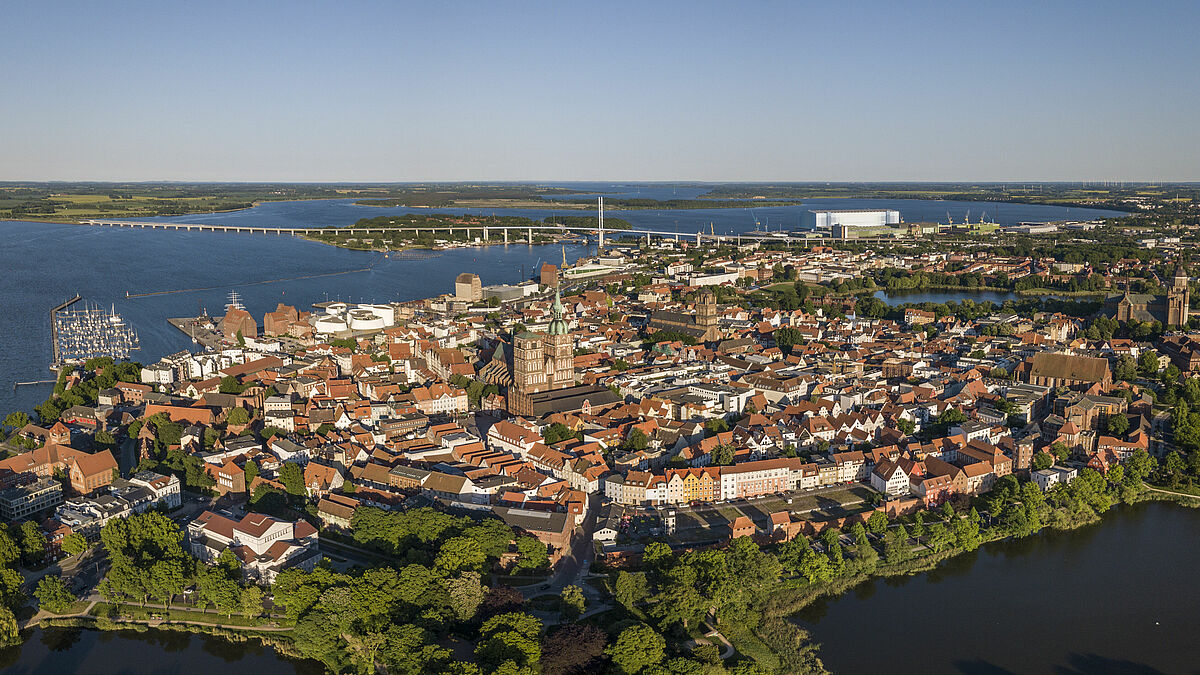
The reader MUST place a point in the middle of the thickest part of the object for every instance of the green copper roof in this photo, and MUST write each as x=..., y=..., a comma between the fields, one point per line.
x=557, y=325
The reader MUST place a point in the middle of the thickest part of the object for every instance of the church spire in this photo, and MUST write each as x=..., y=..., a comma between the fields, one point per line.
x=557, y=325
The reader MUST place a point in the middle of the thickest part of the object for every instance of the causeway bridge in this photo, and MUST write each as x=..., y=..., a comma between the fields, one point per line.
x=494, y=233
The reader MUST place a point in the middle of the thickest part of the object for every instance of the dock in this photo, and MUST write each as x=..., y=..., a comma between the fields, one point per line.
x=196, y=328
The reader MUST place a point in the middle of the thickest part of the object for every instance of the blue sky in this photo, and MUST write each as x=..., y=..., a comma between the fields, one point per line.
x=388, y=91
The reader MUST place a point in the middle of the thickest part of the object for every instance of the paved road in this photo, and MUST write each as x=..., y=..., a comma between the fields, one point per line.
x=127, y=459
x=1168, y=492
x=575, y=563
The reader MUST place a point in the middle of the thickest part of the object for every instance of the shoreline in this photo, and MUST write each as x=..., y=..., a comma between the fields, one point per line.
x=804, y=597
x=277, y=640
x=253, y=204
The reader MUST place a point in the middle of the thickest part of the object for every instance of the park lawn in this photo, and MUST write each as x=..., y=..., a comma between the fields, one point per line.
x=75, y=608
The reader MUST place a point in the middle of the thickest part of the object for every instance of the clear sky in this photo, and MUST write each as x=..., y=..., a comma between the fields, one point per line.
x=649, y=90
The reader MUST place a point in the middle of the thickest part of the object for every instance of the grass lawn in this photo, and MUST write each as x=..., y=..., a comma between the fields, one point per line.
x=729, y=513
x=848, y=496
x=75, y=608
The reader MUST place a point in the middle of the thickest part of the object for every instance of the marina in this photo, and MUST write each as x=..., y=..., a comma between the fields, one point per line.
x=89, y=332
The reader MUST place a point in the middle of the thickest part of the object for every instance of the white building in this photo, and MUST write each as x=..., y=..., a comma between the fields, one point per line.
x=851, y=218
x=713, y=279
x=263, y=545
x=164, y=488
x=1048, y=478
x=889, y=478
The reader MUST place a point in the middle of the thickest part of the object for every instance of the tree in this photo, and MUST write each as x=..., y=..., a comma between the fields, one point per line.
x=1042, y=460
x=251, y=469
x=630, y=588
x=556, y=433
x=895, y=546
x=292, y=477
x=9, y=631
x=1170, y=374
x=407, y=651
x=716, y=425
x=1126, y=369
x=637, y=648
x=230, y=385
x=33, y=543
x=636, y=440
x=533, y=553
x=238, y=416
x=1117, y=425
x=939, y=537
x=10, y=552
x=787, y=337
x=104, y=438
x=722, y=455
x=966, y=534
x=948, y=511
x=877, y=523
x=573, y=602
x=16, y=420
x=466, y=594
x=814, y=567
x=460, y=553
x=74, y=544
x=573, y=649
x=501, y=599
x=906, y=427
x=252, y=601
x=509, y=637
x=1148, y=362
x=165, y=580
x=1139, y=466
x=951, y=416
x=53, y=595
x=707, y=654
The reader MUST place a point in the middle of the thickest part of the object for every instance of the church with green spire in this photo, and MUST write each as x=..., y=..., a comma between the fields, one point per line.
x=543, y=371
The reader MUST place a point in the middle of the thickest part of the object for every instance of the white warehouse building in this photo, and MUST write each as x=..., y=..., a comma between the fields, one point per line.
x=827, y=220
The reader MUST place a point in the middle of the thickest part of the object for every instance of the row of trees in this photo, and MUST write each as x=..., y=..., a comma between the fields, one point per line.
x=746, y=588
x=448, y=543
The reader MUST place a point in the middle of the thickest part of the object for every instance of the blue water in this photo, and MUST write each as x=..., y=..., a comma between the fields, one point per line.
x=47, y=263
x=726, y=221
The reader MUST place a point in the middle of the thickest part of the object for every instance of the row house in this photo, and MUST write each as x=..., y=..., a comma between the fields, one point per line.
x=440, y=399
x=851, y=466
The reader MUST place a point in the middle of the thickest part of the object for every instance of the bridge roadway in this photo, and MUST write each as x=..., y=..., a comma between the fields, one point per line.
x=486, y=231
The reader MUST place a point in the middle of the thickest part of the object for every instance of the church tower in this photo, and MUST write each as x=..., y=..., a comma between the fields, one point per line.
x=529, y=373
x=706, y=309
x=1177, y=299
x=559, y=348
